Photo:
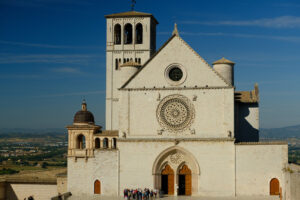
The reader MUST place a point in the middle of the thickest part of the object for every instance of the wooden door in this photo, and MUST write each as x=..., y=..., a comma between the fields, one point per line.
x=97, y=187
x=188, y=179
x=170, y=172
x=274, y=187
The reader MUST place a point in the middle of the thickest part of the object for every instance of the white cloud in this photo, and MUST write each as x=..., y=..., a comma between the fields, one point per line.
x=72, y=94
x=49, y=46
x=48, y=58
x=277, y=22
x=69, y=70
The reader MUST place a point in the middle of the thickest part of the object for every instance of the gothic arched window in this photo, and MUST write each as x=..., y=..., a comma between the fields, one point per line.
x=139, y=33
x=128, y=34
x=117, y=34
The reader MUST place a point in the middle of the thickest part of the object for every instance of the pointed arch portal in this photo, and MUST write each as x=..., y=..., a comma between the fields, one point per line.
x=176, y=171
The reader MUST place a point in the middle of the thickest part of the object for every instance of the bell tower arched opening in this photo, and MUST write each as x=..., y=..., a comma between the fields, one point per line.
x=139, y=33
x=128, y=34
x=80, y=142
x=117, y=34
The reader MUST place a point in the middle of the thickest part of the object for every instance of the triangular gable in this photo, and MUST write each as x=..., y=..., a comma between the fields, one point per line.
x=176, y=50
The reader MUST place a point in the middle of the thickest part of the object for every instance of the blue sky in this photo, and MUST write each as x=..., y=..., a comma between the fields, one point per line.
x=52, y=53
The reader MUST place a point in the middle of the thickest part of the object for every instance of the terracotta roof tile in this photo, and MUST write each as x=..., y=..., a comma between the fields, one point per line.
x=223, y=61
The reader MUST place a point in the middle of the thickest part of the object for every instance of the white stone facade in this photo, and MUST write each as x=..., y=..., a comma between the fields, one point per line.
x=173, y=111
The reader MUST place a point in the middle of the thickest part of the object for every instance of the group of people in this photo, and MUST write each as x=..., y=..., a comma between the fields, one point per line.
x=139, y=194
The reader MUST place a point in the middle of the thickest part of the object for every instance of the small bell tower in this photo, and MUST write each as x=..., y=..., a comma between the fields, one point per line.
x=130, y=38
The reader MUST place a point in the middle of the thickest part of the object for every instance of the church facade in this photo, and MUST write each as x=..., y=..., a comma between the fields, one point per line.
x=173, y=123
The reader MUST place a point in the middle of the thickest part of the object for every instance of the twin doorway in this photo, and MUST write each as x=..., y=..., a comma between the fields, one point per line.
x=184, y=181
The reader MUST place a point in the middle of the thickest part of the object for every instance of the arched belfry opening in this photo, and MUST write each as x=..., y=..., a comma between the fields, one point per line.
x=80, y=142
x=105, y=143
x=117, y=34
x=128, y=34
x=186, y=172
x=139, y=34
x=97, y=143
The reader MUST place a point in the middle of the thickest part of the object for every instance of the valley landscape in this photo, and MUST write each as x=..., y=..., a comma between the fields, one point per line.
x=46, y=149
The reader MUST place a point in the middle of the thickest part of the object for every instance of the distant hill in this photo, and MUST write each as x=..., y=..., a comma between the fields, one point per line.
x=281, y=133
x=31, y=133
x=270, y=133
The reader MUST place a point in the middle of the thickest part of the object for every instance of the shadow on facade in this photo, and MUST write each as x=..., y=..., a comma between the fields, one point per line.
x=245, y=132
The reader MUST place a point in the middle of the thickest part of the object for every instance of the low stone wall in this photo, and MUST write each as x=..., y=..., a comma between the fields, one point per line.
x=21, y=188
x=62, y=184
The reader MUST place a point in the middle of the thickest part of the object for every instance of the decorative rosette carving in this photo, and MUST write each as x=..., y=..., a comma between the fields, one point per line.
x=175, y=112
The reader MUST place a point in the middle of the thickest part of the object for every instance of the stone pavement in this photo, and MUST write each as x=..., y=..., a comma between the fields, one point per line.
x=98, y=197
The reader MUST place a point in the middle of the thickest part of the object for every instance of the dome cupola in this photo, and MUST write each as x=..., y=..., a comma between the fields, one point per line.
x=83, y=116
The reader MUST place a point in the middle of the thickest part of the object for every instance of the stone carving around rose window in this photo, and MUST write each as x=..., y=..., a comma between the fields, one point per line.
x=175, y=113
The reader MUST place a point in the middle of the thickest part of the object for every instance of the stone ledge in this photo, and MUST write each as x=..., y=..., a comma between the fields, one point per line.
x=177, y=88
x=51, y=181
x=176, y=139
x=262, y=143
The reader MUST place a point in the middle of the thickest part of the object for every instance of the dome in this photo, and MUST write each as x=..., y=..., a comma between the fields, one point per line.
x=84, y=116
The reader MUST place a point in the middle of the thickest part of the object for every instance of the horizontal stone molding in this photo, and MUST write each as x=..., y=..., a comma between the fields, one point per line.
x=177, y=88
x=262, y=143
x=176, y=140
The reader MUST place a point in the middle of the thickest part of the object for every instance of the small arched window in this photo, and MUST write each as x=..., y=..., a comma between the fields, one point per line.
x=97, y=187
x=117, y=30
x=105, y=143
x=128, y=34
x=114, y=140
x=80, y=143
x=274, y=186
x=97, y=143
x=139, y=33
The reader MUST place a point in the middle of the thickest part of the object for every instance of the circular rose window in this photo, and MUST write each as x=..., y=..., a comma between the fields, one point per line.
x=175, y=112
x=175, y=74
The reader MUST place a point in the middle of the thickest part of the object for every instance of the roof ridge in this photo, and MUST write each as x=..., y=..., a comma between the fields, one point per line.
x=203, y=60
x=144, y=65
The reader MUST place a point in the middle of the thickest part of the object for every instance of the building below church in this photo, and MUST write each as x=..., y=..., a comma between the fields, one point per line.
x=173, y=123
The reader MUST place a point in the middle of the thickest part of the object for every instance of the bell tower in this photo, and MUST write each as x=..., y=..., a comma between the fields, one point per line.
x=130, y=42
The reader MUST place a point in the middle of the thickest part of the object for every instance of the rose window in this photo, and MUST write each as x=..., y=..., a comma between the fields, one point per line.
x=175, y=112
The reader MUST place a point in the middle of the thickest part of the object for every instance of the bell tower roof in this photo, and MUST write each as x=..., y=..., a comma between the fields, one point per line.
x=131, y=14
